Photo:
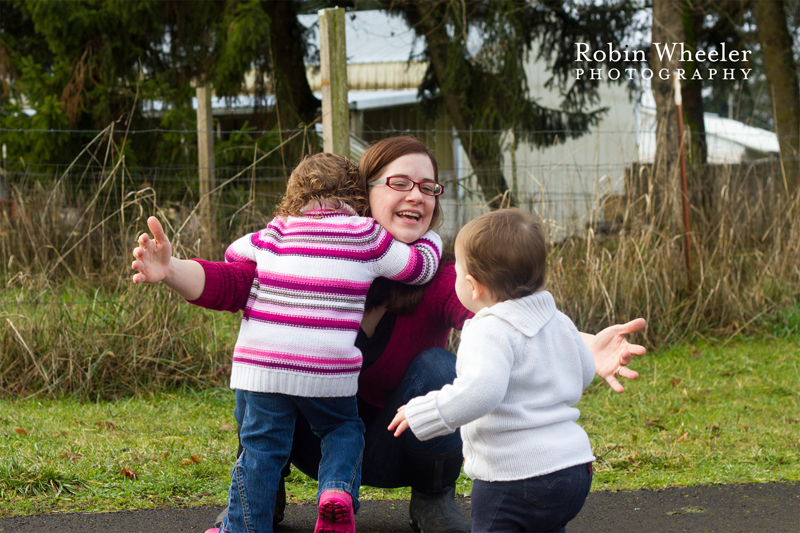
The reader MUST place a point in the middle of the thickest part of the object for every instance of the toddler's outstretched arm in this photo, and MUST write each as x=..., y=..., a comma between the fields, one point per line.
x=154, y=262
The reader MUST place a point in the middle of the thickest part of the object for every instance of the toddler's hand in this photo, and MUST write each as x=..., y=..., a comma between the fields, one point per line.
x=152, y=255
x=612, y=352
x=399, y=422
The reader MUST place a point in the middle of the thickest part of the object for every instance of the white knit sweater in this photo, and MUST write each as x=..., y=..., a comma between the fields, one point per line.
x=521, y=367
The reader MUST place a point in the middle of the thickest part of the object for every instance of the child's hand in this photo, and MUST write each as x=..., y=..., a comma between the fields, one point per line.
x=152, y=255
x=612, y=352
x=399, y=422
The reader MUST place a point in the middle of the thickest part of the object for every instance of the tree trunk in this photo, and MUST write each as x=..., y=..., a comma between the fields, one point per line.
x=295, y=102
x=691, y=89
x=781, y=73
x=484, y=156
x=699, y=183
x=668, y=33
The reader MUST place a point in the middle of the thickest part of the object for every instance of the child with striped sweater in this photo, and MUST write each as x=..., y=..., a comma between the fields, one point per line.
x=296, y=346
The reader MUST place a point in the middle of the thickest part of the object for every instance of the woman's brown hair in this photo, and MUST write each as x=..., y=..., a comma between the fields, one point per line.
x=384, y=152
x=397, y=297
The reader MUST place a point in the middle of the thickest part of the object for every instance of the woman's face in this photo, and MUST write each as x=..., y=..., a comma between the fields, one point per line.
x=406, y=215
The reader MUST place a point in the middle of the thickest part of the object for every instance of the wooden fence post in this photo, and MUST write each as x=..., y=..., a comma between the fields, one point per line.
x=205, y=157
x=3, y=171
x=333, y=69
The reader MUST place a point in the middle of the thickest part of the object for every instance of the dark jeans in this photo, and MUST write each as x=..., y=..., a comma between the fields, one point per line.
x=404, y=461
x=266, y=424
x=544, y=503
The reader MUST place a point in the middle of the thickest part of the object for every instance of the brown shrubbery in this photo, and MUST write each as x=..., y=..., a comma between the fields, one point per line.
x=71, y=322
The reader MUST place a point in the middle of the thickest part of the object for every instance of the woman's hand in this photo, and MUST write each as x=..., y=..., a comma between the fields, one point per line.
x=399, y=421
x=152, y=255
x=612, y=352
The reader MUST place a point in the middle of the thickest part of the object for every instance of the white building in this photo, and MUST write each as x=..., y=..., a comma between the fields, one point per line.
x=565, y=183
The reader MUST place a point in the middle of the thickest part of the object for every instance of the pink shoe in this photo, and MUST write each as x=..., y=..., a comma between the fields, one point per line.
x=214, y=530
x=335, y=513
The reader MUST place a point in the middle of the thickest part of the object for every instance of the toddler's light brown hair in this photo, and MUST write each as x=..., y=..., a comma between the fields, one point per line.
x=506, y=251
x=323, y=178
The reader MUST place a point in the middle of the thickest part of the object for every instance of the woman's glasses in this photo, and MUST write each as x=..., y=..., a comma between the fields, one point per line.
x=403, y=184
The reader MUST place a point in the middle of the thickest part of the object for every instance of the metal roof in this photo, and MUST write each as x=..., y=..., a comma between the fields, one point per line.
x=727, y=140
x=373, y=37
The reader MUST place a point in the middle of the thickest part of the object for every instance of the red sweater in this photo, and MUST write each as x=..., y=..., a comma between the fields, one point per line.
x=228, y=288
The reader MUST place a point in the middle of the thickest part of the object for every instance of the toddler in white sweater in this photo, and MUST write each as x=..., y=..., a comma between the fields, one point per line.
x=521, y=368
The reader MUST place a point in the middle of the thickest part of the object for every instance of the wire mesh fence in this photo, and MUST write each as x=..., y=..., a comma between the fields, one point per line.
x=71, y=320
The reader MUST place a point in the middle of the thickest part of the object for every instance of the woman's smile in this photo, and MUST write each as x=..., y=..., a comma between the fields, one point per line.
x=405, y=214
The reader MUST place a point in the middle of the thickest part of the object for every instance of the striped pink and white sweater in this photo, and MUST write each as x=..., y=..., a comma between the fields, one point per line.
x=300, y=323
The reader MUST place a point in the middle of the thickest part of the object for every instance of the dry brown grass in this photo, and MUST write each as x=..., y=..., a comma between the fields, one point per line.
x=71, y=322
x=745, y=252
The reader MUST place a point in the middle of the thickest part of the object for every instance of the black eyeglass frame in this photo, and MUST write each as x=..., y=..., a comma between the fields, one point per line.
x=387, y=181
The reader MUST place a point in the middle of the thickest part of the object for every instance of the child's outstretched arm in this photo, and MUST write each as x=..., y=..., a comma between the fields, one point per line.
x=612, y=352
x=414, y=263
x=154, y=262
x=485, y=361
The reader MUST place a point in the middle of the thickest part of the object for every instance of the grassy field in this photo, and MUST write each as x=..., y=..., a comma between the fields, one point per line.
x=700, y=414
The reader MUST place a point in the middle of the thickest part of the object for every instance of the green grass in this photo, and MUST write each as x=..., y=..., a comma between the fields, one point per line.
x=699, y=414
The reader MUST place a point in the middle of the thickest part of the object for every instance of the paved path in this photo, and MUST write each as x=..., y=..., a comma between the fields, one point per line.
x=773, y=508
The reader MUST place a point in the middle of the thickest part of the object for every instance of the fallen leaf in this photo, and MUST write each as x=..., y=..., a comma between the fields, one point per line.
x=683, y=437
x=128, y=473
x=653, y=423
x=227, y=427
x=194, y=459
x=674, y=382
x=745, y=428
x=165, y=455
x=21, y=431
x=72, y=456
x=106, y=425
x=697, y=355
x=692, y=509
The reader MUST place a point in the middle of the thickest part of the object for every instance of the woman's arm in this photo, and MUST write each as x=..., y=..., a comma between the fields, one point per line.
x=154, y=263
x=612, y=352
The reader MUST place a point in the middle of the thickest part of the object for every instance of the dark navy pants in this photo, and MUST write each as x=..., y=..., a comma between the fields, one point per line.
x=544, y=503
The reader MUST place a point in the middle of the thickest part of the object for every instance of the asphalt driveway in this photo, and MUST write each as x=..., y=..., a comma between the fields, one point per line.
x=773, y=507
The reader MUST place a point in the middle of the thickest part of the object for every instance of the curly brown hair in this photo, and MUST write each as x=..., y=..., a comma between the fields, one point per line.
x=323, y=178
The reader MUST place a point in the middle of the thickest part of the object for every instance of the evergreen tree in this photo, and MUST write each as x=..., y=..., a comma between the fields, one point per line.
x=487, y=94
x=84, y=64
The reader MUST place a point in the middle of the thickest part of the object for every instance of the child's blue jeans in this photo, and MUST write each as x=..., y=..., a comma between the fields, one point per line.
x=266, y=425
x=543, y=503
